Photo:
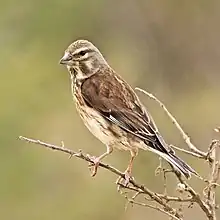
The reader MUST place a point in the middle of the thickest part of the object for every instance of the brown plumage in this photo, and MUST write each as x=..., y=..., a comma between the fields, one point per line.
x=111, y=110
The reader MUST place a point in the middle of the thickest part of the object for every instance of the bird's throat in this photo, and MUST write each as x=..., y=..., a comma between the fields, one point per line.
x=72, y=71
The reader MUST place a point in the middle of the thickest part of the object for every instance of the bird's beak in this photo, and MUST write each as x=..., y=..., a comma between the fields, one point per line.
x=65, y=59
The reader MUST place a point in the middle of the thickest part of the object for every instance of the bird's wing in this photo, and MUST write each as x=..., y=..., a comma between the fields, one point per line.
x=115, y=100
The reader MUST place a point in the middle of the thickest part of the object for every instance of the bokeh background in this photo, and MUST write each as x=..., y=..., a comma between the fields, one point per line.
x=170, y=48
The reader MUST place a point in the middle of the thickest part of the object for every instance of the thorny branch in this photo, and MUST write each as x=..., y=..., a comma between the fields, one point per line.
x=186, y=138
x=208, y=206
x=138, y=187
x=163, y=202
x=209, y=191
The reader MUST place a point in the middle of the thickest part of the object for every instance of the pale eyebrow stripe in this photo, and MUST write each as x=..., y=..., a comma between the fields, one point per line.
x=82, y=49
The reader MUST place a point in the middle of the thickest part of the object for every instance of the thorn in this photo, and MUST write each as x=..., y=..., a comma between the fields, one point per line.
x=62, y=144
x=191, y=205
x=159, y=169
x=75, y=155
x=181, y=187
x=70, y=156
x=217, y=129
x=135, y=195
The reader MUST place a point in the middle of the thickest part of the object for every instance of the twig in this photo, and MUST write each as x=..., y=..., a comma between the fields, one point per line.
x=161, y=170
x=215, y=166
x=71, y=153
x=162, y=200
x=130, y=188
x=132, y=201
x=196, y=197
x=175, y=199
x=174, y=121
x=187, y=152
x=167, y=208
x=217, y=129
x=210, y=205
x=210, y=149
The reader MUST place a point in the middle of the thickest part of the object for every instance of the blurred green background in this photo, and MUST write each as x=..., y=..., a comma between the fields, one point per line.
x=170, y=48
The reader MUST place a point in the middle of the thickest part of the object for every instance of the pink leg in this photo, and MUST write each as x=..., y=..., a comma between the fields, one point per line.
x=96, y=160
x=128, y=171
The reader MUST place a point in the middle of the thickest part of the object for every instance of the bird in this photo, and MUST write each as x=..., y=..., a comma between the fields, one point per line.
x=111, y=109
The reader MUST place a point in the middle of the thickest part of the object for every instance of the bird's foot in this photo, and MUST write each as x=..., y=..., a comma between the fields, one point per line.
x=93, y=166
x=124, y=181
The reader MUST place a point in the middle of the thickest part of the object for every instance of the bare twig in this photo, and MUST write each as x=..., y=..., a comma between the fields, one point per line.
x=71, y=153
x=215, y=167
x=217, y=129
x=209, y=206
x=163, y=202
x=187, y=152
x=186, y=138
x=210, y=149
x=161, y=170
x=175, y=199
x=166, y=208
x=132, y=201
x=129, y=187
x=196, y=197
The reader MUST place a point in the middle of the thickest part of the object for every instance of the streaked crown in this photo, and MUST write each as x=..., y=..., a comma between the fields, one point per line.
x=83, y=57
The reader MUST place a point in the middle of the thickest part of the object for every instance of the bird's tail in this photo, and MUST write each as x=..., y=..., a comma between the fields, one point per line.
x=174, y=160
x=179, y=164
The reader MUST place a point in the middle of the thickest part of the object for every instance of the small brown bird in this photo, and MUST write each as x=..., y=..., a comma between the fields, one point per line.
x=111, y=110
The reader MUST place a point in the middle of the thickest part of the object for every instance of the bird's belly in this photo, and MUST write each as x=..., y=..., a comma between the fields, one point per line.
x=101, y=128
x=105, y=131
x=97, y=125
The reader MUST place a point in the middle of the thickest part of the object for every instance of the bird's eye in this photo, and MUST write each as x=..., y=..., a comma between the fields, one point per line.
x=82, y=53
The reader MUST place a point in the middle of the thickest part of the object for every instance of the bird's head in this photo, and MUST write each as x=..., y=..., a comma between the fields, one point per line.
x=83, y=58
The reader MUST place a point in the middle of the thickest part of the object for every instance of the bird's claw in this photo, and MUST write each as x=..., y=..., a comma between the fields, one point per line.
x=128, y=177
x=94, y=164
x=124, y=181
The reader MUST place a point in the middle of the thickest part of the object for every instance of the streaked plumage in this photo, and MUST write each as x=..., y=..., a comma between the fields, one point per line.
x=110, y=108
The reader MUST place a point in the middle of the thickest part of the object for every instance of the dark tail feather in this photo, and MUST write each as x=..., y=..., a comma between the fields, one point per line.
x=170, y=157
x=178, y=163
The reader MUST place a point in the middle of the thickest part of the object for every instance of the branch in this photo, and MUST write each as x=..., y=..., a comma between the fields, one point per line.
x=196, y=197
x=161, y=200
x=141, y=188
x=132, y=201
x=187, y=152
x=186, y=138
x=210, y=205
x=209, y=191
x=175, y=199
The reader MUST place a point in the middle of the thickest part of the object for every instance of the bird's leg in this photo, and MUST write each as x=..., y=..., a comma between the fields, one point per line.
x=128, y=171
x=96, y=160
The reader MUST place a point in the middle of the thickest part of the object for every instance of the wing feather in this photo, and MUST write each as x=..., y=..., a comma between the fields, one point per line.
x=116, y=101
